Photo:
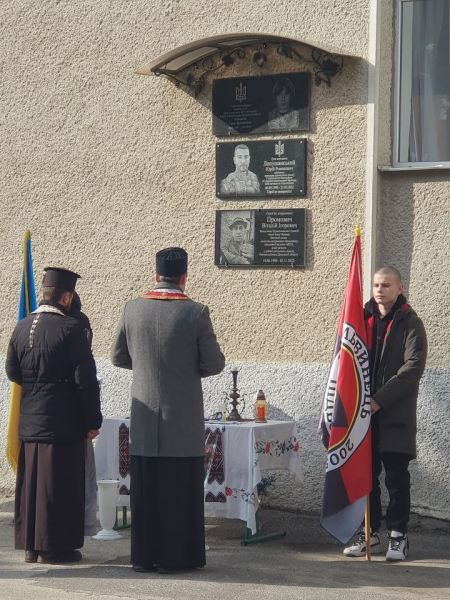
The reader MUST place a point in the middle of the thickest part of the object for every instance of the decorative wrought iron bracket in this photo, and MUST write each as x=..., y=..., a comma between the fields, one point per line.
x=328, y=65
x=324, y=65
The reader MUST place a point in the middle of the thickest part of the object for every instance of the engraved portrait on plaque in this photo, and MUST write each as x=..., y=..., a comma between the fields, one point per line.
x=236, y=233
x=271, y=103
x=268, y=168
x=242, y=181
x=260, y=238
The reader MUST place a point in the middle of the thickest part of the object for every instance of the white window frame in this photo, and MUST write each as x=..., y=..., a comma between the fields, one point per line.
x=397, y=90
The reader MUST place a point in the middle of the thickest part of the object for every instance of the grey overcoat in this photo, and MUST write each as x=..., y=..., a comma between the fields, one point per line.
x=170, y=345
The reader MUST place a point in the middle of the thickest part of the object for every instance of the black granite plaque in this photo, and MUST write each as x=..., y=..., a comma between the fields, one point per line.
x=260, y=238
x=271, y=103
x=273, y=168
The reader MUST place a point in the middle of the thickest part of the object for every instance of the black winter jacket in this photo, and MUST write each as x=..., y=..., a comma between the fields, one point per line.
x=60, y=399
x=76, y=313
x=397, y=379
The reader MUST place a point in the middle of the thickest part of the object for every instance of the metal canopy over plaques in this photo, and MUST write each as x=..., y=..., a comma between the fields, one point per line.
x=272, y=103
x=184, y=56
x=260, y=238
x=189, y=64
x=268, y=168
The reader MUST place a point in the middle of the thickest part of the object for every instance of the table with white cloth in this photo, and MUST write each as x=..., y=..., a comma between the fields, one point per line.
x=112, y=455
x=239, y=453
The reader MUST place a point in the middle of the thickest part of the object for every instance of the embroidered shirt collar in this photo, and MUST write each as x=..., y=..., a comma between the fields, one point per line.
x=48, y=308
x=166, y=291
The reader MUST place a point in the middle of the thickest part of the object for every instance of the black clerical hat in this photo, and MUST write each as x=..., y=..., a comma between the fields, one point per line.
x=60, y=278
x=171, y=262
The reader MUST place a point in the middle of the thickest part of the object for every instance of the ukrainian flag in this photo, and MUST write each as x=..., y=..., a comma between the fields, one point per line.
x=27, y=304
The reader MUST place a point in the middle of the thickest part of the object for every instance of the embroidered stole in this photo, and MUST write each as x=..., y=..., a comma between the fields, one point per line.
x=166, y=294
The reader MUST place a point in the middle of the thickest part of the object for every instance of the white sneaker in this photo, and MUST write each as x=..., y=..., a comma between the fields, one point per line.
x=359, y=547
x=398, y=548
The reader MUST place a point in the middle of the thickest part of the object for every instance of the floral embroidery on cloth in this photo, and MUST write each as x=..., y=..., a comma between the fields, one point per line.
x=248, y=497
x=276, y=447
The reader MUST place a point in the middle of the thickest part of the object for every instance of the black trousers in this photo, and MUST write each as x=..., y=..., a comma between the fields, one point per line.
x=167, y=507
x=398, y=484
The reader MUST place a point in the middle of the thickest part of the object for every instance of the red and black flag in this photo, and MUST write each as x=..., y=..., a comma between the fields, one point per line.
x=345, y=417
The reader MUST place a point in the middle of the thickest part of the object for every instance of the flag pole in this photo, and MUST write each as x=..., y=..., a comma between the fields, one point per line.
x=367, y=527
x=367, y=511
x=27, y=303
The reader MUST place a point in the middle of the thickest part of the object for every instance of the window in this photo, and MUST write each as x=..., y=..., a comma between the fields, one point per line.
x=422, y=99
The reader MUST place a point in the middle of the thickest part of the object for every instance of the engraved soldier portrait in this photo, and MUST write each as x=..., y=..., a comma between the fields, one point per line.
x=242, y=181
x=236, y=238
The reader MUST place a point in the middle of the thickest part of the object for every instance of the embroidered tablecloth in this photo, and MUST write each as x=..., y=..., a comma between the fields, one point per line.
x=247, y=450
x=236, y=456
x=112, y=456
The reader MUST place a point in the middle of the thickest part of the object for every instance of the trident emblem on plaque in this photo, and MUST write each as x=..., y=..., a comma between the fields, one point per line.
x=241, y=92
x=279, y=148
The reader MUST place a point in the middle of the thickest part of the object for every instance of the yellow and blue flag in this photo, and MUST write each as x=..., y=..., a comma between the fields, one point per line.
x=27, y=304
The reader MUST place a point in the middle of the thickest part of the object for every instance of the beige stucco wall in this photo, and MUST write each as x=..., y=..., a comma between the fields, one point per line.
x=386, y=80
x=106, y=167
x=415, y=238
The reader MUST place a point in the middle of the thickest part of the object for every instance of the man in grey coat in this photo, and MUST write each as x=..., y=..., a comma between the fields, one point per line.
x=168, y=341
x=397, y=345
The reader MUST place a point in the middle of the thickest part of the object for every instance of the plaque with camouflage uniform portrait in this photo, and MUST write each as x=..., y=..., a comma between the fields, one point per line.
x=272, y=103
x=260, y=238
x=267, y=168
x=236, y=237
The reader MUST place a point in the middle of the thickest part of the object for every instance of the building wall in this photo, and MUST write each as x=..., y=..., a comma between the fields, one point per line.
x=106, y=167
x=413, y=217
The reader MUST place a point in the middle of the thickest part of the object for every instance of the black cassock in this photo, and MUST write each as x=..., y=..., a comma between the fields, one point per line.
x=49, y=508
x=167, y=507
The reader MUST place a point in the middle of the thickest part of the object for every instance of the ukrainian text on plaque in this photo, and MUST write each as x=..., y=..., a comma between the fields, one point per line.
x=260, y=238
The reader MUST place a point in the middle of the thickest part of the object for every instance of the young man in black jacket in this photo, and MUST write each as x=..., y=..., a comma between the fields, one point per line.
x=49, y=355
x=397, y=345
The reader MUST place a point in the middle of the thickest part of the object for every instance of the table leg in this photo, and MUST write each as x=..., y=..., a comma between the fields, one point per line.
x=254, y=539
x=125, y=524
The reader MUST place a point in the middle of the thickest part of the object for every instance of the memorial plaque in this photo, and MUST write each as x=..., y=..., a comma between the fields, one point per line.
x=273, y=168
x=271, y=103
x=260, y=238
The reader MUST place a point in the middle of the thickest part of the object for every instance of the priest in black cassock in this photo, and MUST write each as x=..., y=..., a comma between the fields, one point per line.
x=168, y=341
x=90, y=509
x=49, y=355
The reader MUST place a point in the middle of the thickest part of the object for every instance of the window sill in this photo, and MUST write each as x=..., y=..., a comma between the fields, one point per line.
x=388, y=168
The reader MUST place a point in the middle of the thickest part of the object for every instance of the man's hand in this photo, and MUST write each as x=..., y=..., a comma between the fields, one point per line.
x=374, y=406
x=93, y=433
x=248, y=251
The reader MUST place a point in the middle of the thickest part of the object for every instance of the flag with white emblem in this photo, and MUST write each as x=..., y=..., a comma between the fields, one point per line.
x=345, y=417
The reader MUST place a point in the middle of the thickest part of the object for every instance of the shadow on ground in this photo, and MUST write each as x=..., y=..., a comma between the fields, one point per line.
x=307, y=557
